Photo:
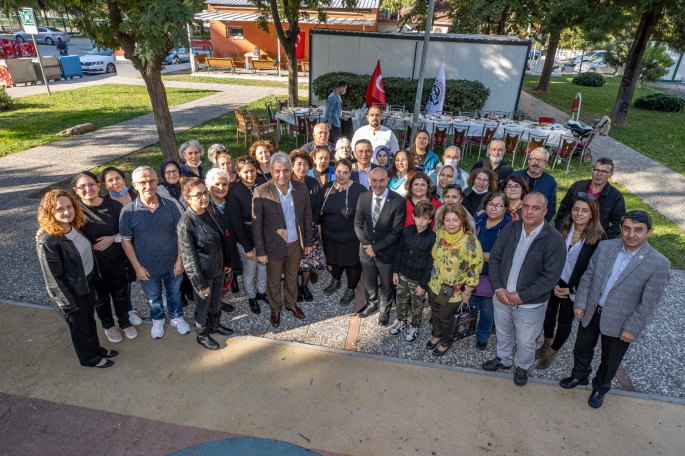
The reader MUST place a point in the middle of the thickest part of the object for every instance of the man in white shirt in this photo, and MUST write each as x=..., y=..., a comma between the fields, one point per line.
x=376, y=133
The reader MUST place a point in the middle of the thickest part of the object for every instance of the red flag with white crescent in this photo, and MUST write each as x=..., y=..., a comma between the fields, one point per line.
x=375, y=92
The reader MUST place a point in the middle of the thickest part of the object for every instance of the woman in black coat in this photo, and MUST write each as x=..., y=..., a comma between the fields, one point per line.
x=583, y=231
x=201, y=243
x=66, y=259
x=336, y=207
x=481, y=182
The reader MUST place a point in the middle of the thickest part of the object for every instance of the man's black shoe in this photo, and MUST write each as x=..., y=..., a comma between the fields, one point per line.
x=521, y=376
x=570, y=382
x=366, y=311
x=596, y=399
x=494, y=365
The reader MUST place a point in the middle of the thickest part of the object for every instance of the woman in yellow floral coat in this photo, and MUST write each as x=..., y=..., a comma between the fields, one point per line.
x=457, y=263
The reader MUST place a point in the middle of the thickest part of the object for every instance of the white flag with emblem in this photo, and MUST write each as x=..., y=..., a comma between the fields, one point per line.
x=436, y=99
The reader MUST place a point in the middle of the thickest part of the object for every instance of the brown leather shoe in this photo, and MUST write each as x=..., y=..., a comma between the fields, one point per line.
x=275, y=319
x=297, y=312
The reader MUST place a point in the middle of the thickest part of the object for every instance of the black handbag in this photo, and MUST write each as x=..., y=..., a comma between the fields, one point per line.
x=444, y=294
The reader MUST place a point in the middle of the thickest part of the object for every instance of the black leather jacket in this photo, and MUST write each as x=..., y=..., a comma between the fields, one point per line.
x=200, y=248
x=63, y=271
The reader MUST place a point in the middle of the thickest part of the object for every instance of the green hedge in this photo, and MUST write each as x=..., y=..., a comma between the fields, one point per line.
x=461, y=95
x=589, y=80
x=6, y=101
x=661, y=102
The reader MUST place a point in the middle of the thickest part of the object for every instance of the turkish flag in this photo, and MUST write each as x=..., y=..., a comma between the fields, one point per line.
x=375, y=92
x=299, y=46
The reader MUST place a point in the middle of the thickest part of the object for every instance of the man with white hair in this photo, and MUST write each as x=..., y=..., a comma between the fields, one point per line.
x=148, y=231
x=320, y=134
x=539, y=181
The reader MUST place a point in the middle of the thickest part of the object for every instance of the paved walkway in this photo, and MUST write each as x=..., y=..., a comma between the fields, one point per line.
x=657, y=185
x=165, y=395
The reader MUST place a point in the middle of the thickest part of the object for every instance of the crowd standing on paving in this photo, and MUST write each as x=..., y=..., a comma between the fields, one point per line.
x=416, y=227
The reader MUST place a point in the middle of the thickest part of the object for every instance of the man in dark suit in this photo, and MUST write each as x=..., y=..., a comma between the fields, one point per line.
x=378, y=223
x=282, y=228
x=616, y=298
x=612, y=205
x=363, y=152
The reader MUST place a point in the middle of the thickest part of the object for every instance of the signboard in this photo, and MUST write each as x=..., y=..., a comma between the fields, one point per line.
x=29, y=21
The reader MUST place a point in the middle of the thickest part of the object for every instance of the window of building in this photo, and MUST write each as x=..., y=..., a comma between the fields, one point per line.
x=234, y=32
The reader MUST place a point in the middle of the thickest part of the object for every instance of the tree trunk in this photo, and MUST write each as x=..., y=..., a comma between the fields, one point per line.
x=648, y=21
x=291, y=53
x=502, y=25
x=160, y=109
x=546, y=75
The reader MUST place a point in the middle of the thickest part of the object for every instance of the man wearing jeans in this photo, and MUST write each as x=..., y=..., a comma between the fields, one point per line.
x=526, y=262
x=148, y=230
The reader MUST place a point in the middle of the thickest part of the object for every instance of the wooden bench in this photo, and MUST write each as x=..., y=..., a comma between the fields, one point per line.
x=265, y=65
x=215, y=63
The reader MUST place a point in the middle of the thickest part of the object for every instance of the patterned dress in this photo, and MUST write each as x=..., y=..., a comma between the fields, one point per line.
x=456, y=263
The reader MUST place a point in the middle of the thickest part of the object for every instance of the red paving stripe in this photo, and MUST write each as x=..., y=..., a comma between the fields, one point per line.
x=355, y=321
x=624, y=381
x=136, y=289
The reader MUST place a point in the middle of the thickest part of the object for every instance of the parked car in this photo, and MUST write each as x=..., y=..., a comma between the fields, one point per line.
x=596, y=66
x=592, y=55
x=99, y=61
x=561, y=54
x=46, y=35
x=534, y=54
x=557, y=68
x=177, y=56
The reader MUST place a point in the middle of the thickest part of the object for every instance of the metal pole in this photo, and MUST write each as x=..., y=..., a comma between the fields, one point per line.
x=190, y=50
x=40, y=62
x=424, y=54
x=278, y=43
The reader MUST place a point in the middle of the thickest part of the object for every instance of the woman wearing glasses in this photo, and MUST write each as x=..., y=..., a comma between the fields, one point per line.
x=488, y=226
x=516, y=188
x=170, y=184
x=239, y=206
x=261, y=152
x=66, y=259
x=202, y=247
x=583, y=232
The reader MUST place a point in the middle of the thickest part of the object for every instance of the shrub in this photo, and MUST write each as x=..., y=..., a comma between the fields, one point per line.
x=6, y=101
x=660, y=102
x=460, y=94
x=589, y=80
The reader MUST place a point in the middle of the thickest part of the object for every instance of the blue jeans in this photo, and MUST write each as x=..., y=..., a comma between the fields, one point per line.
x=153, y=290
x=487, y=316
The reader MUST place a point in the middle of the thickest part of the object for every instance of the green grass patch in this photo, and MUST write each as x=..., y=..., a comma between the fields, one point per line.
x=233, y=81
x=658, y=135
x=36, y=119
x=668, y=238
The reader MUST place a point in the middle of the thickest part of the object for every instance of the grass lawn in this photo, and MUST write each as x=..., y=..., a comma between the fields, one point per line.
x=36, y=119
x=668, y=238
x=277, y=82
x=658, y=135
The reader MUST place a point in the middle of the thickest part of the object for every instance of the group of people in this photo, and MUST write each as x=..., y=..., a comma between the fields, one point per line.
x=411, y=224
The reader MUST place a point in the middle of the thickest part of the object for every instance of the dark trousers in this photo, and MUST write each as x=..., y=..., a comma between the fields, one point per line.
x=186, y=286
x=83, y=330
x=559, y=314
x=354, y=273
x=373, y=271
x=441, y=319
x=613, y=351
x=112, y=285
x=336, y=132
x=289, y=266
x=211, y=303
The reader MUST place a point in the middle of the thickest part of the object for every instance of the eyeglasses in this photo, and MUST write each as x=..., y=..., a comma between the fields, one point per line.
x=513, y=186
x=200, y=195
x=88, y=185
x=171, y=172
x=147, y=182
x=587, y=195
x=601, y=172
x=495, y=206
x=537, y=160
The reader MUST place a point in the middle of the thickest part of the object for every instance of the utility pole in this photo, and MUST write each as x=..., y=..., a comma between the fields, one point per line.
x=424, y=55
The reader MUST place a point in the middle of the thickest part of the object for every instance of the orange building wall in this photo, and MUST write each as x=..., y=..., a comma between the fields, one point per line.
x=254, y=36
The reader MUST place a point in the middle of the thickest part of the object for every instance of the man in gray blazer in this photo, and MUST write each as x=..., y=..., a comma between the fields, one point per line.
x=616, y=299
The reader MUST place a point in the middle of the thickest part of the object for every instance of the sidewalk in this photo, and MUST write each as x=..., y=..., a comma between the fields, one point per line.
x=641, y=175
x=161, y=391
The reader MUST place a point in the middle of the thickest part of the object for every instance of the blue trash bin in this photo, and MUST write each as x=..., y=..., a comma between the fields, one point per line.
x=71, y=66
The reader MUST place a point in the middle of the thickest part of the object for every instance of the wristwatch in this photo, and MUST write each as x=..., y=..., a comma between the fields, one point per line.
x=118, y=238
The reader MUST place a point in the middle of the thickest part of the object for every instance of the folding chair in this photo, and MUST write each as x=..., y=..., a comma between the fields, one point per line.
x=262, y=129
x=460, y=137
x=486, y=139
x=440, y=133
x=512, y=138
x=503, y=114
x=564, y=152
x=300, y=128
x=534, y=141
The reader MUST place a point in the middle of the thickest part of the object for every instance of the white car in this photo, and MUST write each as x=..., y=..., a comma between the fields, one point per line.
x=588, y=57
x=99, y=61
x=47, y=35
x=596, y=66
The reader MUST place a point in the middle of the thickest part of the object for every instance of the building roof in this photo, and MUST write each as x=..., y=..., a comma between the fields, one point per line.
x=247, y=17
x=336, y=4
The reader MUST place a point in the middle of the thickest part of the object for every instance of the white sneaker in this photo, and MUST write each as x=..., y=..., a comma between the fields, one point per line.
x=113, y=335
x=131, y=332
x=157, y=329
x=412, y=332
x=134, y=318
x=180, y=325
x=397, y=327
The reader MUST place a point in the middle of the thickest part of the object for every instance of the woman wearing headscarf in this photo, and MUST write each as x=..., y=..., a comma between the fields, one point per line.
x=170, y=184
x=384, y=159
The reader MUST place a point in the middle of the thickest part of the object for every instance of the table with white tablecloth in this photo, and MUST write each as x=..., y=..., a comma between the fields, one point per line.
x=289, y=116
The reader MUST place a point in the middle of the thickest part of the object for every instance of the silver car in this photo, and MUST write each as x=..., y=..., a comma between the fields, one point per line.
x=596, y=66
x=46, y=35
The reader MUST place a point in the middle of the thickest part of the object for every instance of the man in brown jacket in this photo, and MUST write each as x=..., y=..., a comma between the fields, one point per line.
x=282, y=228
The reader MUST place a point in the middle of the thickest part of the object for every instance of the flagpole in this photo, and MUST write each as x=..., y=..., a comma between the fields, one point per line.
x=424, y=55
